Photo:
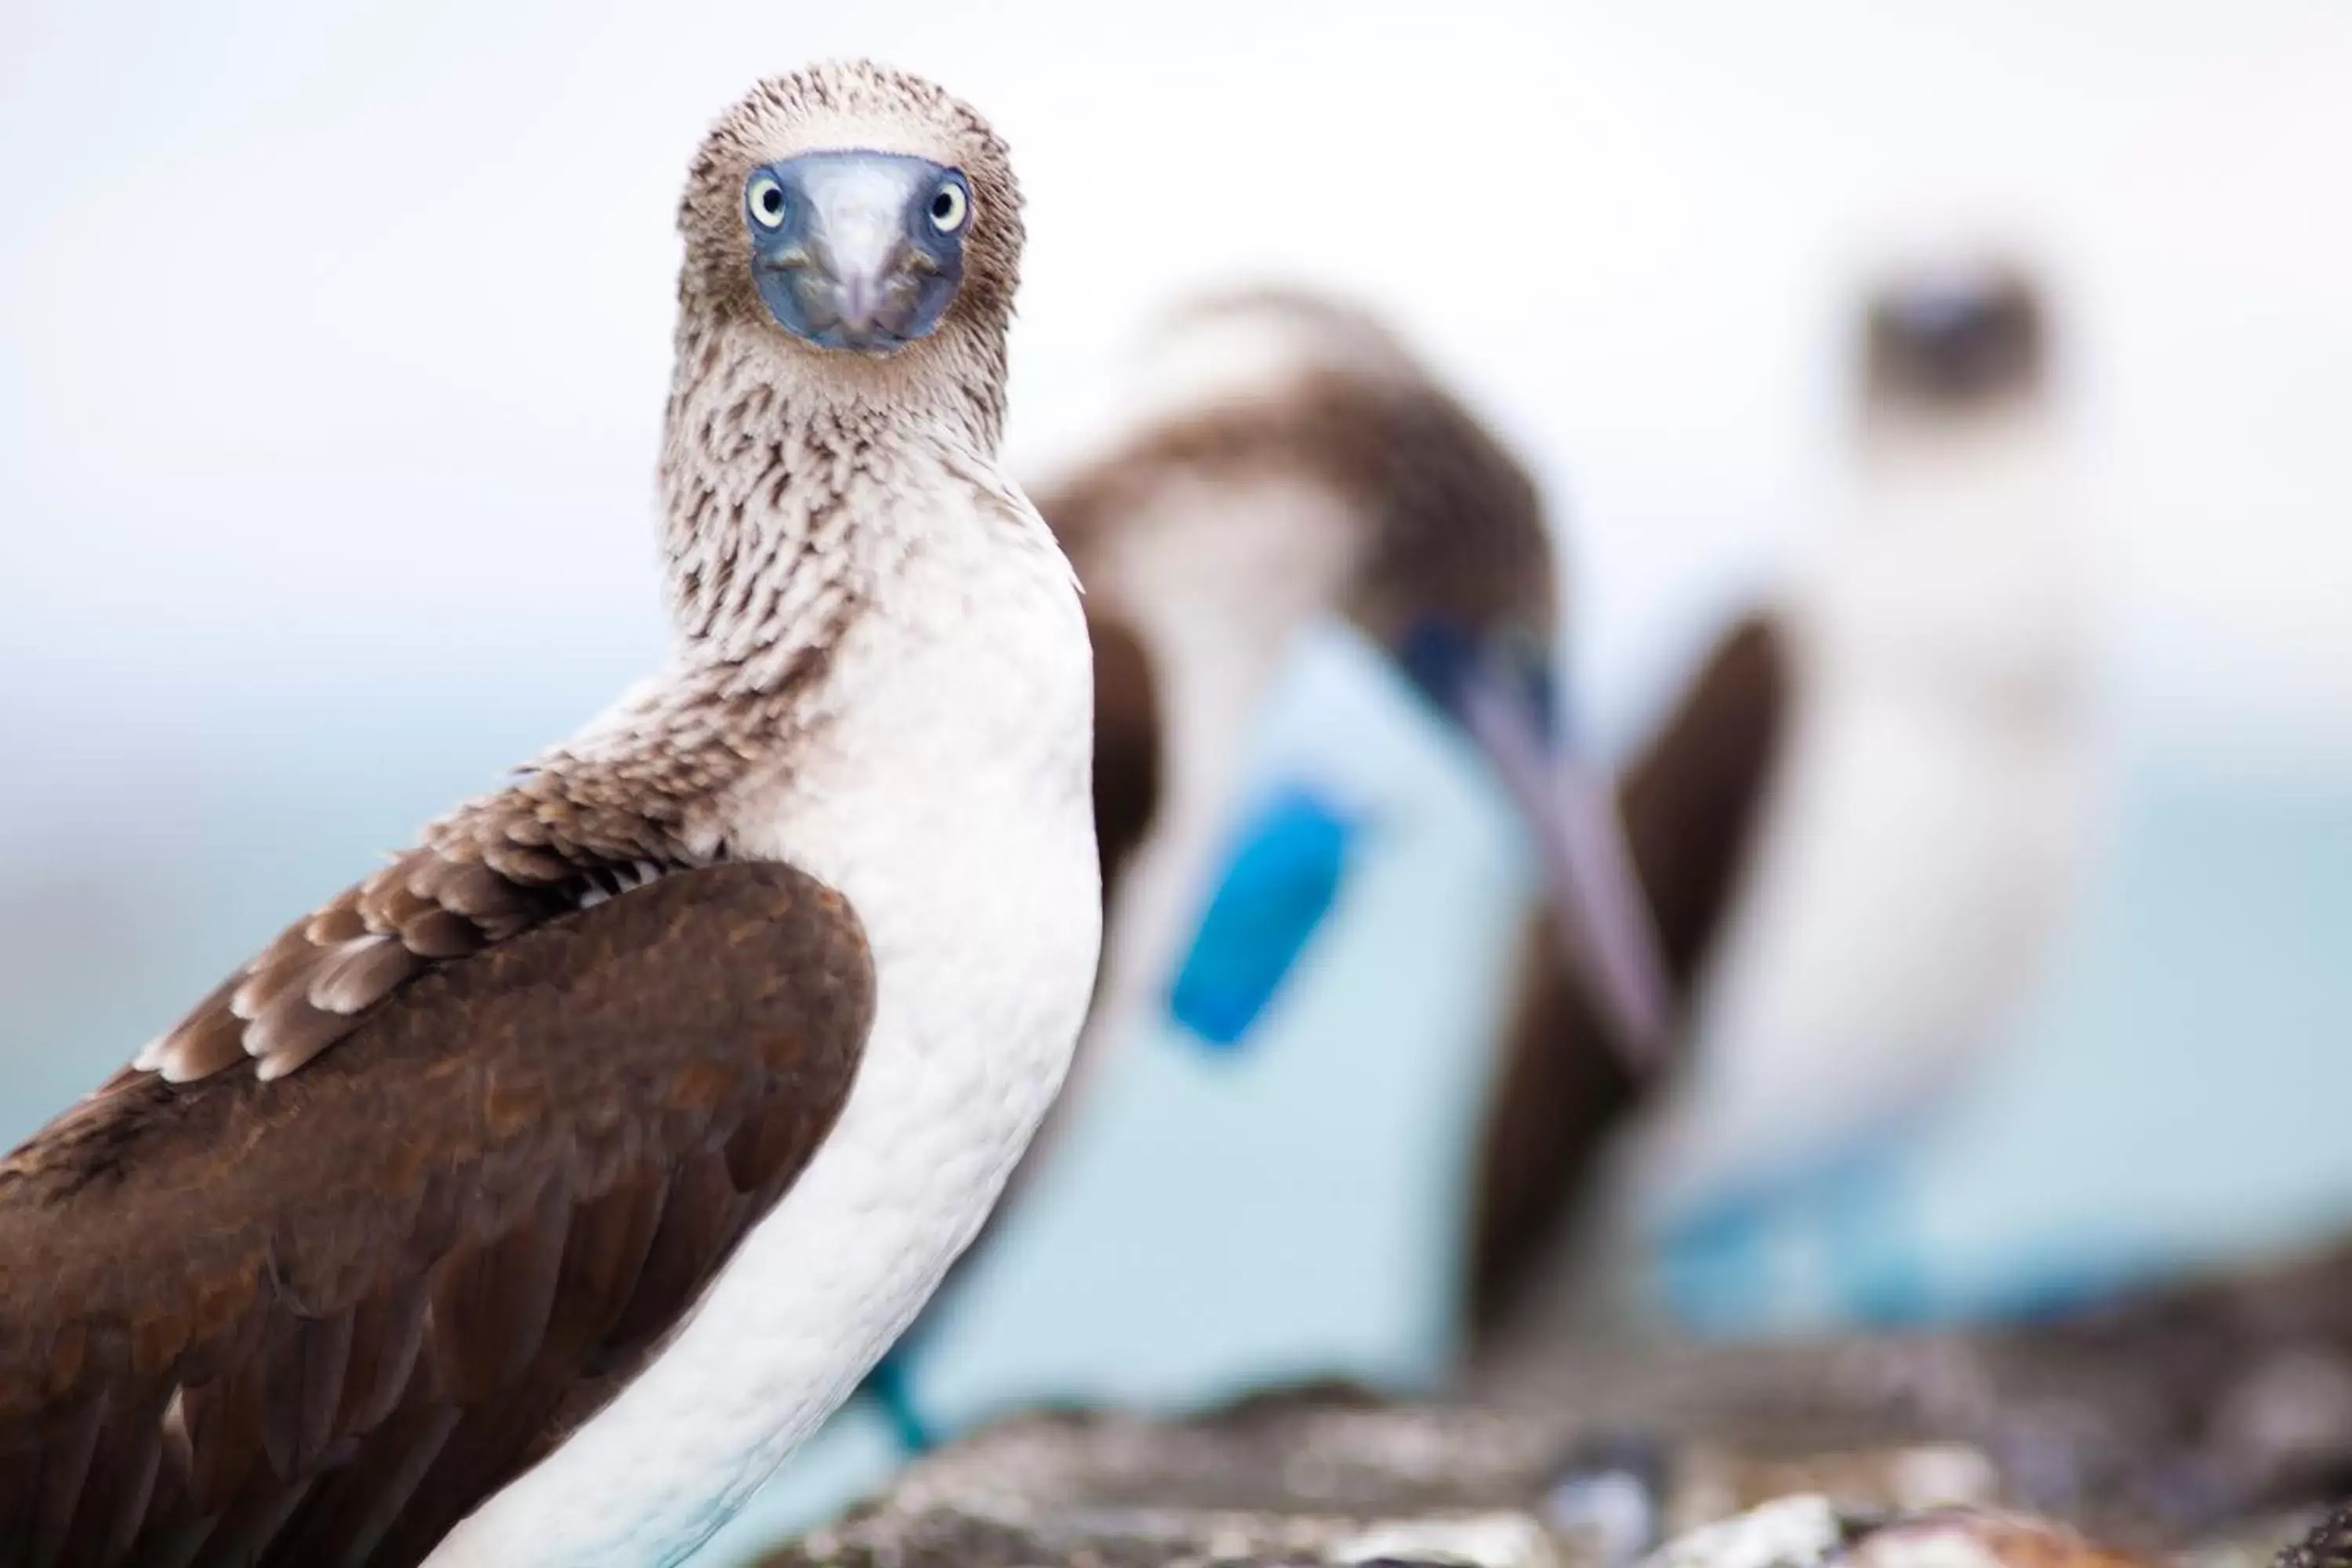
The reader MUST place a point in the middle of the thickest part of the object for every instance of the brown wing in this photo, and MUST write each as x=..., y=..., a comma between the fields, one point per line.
x=316, y=1321
x=499, y=866
x=1689, y=806
x=1126, y=744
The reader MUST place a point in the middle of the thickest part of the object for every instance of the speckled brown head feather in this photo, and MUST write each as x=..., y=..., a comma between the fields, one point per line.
x=854, y=104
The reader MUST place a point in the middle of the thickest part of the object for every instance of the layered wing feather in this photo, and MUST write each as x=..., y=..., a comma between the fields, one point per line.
x=500, y=866
x=318, y=1322
x=1127, y=745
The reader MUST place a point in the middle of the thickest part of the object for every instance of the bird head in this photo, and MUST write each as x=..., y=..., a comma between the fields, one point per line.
x=857, y=212
x=1952, y=336
x=857, y=251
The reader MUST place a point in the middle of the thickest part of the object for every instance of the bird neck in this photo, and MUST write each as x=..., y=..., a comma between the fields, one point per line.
x=784, y=485
x=790, y=510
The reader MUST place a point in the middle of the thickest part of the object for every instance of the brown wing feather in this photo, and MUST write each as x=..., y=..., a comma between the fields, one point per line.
x=318, y=1320
x=498, y=867
x=1126, y=744
x=1689, y=806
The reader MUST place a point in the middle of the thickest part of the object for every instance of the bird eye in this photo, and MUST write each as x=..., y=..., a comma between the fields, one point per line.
x=767, y=201
x=949, y=206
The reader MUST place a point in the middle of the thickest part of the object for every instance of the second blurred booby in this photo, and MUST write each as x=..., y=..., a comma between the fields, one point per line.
x=1285, y=459
x=1921, y=815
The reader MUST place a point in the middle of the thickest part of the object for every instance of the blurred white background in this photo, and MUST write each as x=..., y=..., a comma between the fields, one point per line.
x=332, y=345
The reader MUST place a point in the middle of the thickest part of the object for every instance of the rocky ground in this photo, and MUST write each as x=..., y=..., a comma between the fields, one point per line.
x=2206, y=1427
x=1319, y=1478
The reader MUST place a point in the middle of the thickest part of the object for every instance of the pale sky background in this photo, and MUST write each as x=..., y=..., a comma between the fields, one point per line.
x=351, y=321
x=332, y=346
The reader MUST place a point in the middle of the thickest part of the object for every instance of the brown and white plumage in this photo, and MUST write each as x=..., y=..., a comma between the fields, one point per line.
x=577, y=1161
x=757, y=505
x=228, y=1333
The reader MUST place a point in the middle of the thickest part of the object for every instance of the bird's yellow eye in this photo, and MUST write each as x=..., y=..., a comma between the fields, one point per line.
x=766, y=200
x=950, y=207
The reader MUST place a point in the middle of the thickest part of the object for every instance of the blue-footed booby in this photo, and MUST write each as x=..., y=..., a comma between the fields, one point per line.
x=527, y=1203
x=1281, y=459
x=1922, y=787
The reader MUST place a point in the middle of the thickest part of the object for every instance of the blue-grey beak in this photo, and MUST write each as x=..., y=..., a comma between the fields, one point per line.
x=1602, y=912
x=862, y=251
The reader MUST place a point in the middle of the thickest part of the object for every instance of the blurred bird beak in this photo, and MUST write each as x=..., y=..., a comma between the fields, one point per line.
x=1601, y=912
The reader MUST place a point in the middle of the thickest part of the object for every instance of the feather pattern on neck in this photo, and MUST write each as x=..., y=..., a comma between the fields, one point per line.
x=778, y=532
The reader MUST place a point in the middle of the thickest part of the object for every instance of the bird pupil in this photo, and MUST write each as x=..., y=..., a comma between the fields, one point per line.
x=771, y=201
x=943, y=205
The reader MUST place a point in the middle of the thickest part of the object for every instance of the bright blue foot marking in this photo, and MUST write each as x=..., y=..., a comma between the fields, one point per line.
x=1717, y=1268
x=1281, y=878
x=891, y=1388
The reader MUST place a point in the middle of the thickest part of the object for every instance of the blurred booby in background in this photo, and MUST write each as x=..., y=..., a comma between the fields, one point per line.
x=1921, y=820
x=1283, y=458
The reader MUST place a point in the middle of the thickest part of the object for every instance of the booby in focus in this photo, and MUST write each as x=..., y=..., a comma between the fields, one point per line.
x=528, y=1202
x=1921, y=817
x=1285, y=459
